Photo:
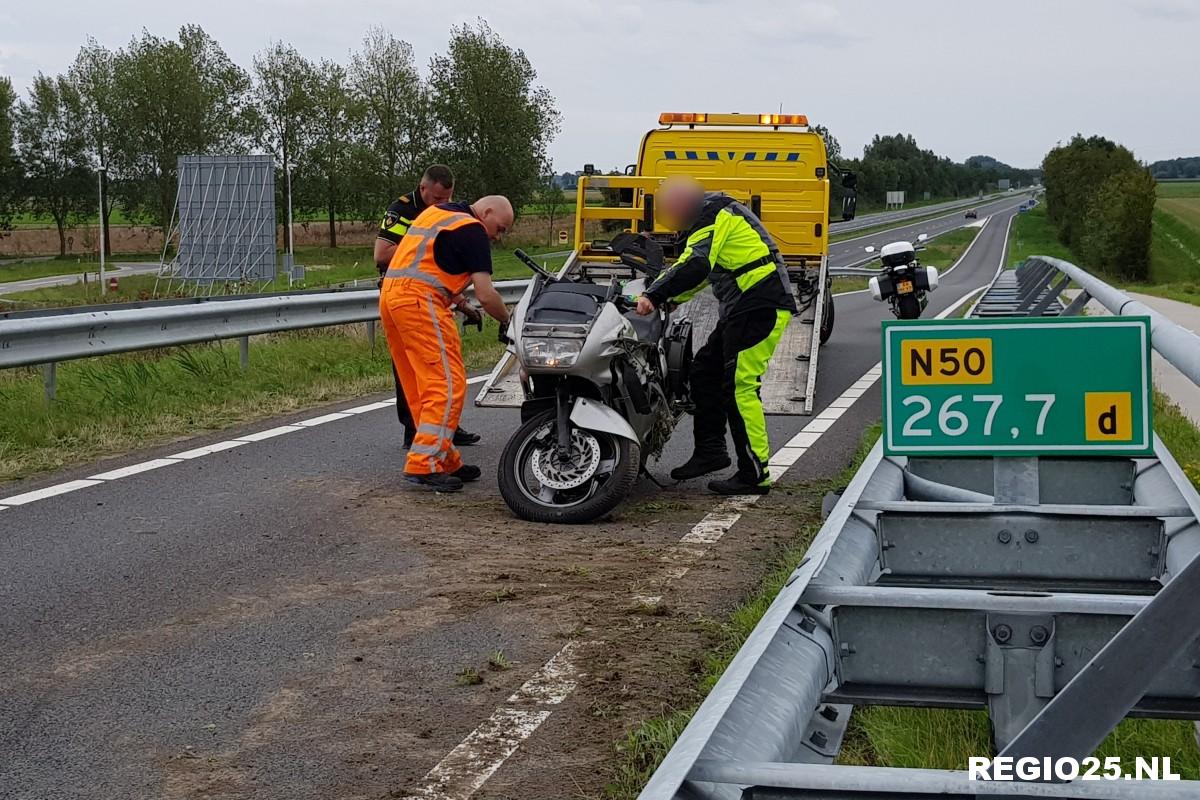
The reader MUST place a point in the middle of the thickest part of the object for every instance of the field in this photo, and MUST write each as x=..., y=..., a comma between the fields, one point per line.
x=324, y=267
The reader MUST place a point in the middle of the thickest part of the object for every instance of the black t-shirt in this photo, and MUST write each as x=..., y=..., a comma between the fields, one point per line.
x=463, y=250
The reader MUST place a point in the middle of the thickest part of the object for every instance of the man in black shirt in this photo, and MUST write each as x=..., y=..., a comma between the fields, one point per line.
x=436, y=187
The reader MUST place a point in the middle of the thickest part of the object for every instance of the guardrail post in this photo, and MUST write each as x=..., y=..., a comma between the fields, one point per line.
x=244, y=351
x=371, y=333
x=50, y=381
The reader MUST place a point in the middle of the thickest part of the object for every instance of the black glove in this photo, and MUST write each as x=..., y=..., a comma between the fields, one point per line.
x=503, y=335
x=472, y=315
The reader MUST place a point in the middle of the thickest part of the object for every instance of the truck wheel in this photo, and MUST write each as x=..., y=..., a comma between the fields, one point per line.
x=827, y=316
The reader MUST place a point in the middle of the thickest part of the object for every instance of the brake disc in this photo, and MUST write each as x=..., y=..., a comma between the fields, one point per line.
x=579, y=467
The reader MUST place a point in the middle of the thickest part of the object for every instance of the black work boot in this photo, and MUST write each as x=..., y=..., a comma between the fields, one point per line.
x=464, y=438
x=737, y=484
x=438, y=482
x=699, y=465
x=467, y=472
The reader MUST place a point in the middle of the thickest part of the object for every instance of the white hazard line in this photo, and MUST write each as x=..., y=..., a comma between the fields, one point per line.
x=198, y=452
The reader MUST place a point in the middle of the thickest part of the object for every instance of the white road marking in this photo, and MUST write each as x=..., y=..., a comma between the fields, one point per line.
x=49, y=491
x=135, y=469
x=469, y=765
x=198, y=452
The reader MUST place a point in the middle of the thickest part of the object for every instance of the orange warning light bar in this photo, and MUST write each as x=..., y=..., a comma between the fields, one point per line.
x=673, y=118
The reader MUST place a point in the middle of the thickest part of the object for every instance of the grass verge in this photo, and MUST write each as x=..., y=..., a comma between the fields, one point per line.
x=940, y=252
x=644, y=747
x=324, y=267
x=115, y=404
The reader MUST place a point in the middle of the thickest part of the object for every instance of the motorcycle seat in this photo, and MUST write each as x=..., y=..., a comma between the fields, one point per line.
x=648, y=329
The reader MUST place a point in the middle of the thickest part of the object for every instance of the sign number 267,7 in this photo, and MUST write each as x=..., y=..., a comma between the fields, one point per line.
x=952, y=421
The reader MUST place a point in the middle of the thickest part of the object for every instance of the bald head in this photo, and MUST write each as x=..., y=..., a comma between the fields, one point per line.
x=678, y=200
x=496, y=214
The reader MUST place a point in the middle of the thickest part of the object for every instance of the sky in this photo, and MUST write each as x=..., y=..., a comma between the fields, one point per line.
x=1002, y=79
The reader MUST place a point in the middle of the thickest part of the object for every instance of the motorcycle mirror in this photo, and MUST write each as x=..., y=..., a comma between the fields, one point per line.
x=921, y=237
x=869, y=248
x=533, y=265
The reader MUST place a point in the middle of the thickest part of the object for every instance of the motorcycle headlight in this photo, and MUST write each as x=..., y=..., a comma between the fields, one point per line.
x=551, y=353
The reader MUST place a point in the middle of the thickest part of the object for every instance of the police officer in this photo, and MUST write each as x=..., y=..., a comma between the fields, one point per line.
x=436, y=187
x=725, y=245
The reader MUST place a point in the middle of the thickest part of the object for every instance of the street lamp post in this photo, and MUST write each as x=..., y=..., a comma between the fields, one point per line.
x=290, y=244
x=100, y=183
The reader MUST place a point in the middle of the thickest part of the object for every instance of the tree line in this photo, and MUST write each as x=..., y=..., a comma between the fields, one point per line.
x=1177, y=168
x=1100, y=200
x=354, y=135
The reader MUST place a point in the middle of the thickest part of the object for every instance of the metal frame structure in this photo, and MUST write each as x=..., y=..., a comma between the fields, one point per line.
x=225, y=223
x=1057, y=593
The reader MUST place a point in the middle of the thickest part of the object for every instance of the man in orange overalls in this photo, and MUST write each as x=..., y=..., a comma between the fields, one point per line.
x=447, y=249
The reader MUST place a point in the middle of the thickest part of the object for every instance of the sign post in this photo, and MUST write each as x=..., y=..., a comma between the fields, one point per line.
x=1019, y=387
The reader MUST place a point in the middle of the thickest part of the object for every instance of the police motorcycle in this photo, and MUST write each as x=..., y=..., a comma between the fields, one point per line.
x=604, y=387
x=903, y=282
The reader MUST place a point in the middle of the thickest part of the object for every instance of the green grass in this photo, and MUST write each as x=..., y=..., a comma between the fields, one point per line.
x=324, y=267
x=24, y=270
x=115, y=404
x=1179, y=189
x=1179, y=435
x=640, y=752
x=940, y=252
x=1032, y=234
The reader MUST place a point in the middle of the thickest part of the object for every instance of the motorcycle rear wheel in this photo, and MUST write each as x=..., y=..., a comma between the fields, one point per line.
x=598, y=475
x=909, y=306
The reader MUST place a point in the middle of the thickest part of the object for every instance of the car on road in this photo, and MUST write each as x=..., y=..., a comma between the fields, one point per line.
x=971, y=214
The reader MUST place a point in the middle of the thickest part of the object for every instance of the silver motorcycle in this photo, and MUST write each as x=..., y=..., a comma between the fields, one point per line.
x=604, y=387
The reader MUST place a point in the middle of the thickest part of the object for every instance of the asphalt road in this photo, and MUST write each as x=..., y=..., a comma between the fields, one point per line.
x=115, y=270
x=212, y=628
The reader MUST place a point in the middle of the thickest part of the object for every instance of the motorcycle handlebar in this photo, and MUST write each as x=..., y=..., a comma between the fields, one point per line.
x=524, y=258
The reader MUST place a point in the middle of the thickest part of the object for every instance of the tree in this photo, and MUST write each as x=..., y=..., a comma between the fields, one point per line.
x=1118, y=223
x=93, y=78
x=175, y=98
x=332, y=159
x=10, y=172
x=494, y=123
x=51, y=148
x=1073, y=174
x=549, y=199
x=833, y=150
x=396, y=112
x=284, y=86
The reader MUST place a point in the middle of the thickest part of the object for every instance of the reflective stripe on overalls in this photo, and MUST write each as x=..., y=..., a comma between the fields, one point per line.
x=423, y=337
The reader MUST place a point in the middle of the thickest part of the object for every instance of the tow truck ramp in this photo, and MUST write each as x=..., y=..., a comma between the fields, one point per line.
x=788, y=388
x=1056, y=593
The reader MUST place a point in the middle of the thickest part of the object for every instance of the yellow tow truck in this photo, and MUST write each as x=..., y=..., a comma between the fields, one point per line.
x=775, y=164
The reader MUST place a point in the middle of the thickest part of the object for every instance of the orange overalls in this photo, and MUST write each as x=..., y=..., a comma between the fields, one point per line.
x=414, y=305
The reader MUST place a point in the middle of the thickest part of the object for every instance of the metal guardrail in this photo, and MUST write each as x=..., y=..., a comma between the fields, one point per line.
x=1056, y=593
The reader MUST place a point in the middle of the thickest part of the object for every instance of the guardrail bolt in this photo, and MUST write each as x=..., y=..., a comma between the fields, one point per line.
x=1004, y=537
x=819, y=738
x=1038, y=634
x=830, y=713
x=1002, y=633
x=1031, y=536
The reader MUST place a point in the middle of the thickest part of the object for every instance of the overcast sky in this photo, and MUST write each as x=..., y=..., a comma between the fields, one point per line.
x=1002, y=79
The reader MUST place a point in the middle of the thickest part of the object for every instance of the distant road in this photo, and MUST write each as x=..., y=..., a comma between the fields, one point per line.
x=118, y=269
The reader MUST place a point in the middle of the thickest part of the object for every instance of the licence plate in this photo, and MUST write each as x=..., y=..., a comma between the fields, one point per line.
x=904, y=287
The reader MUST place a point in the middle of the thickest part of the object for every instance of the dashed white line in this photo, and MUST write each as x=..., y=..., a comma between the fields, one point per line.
x=321, y=420
x=270, y=433
x=468, y=766
x=208, y=449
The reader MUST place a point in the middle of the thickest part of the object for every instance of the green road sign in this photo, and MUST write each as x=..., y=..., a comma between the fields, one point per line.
x=1018, y=387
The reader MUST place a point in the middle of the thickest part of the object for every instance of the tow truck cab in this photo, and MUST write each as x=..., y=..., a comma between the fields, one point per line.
x=716, y=148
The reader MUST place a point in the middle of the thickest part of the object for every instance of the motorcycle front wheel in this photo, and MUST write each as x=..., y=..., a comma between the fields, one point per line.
x=539, y=486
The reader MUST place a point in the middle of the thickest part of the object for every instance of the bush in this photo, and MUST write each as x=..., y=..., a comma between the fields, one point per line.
x=1116, y=227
